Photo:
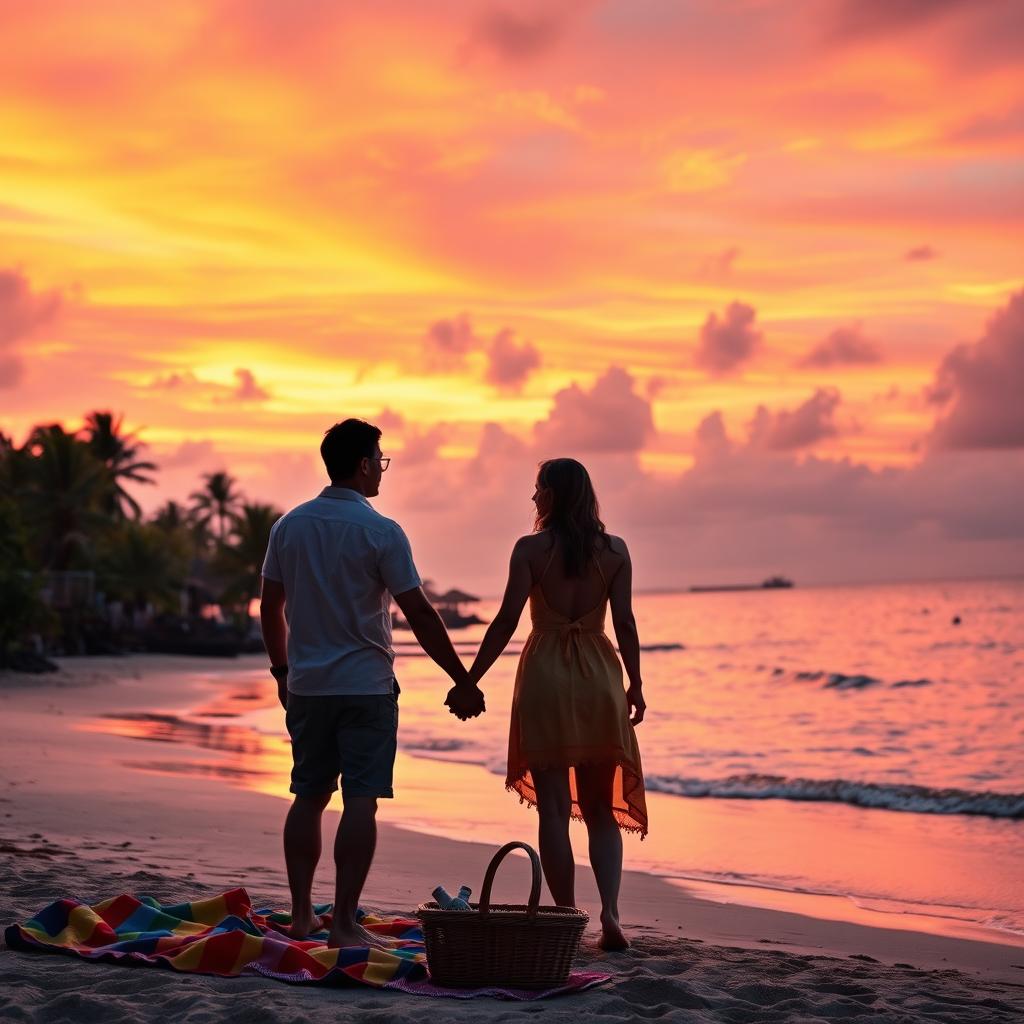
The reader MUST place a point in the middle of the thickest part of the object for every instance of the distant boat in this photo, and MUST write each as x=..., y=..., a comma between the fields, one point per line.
x=772, y=583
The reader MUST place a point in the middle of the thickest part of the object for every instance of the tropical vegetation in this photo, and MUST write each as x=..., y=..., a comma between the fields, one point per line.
x=82, y=568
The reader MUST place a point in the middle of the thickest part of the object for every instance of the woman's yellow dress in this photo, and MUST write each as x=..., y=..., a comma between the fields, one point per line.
x=569, y=708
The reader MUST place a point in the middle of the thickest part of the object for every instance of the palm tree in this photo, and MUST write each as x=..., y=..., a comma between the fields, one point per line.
x=15, y=468
x=218, y=501
x=240, y=562
x=64, y=492
x=21, y=609
x=170, y=517
x=142, y=564
x=119, y=452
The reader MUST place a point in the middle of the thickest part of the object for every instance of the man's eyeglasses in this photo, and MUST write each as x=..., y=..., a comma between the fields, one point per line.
x=384, y=461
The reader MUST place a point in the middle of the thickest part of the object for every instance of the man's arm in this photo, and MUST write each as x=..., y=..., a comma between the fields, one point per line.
x=429, y=630
x=275, y=634
x=465, y=699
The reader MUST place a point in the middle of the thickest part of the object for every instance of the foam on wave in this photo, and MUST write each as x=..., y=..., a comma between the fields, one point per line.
x=892, y=797
x=436, y=746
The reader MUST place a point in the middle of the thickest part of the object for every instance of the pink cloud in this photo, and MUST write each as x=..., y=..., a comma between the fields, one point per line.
x=449, y=341
x=247, y=389
x=856, y=18
x=175, y=381
x=510, y=363
x=519, y=36
x=22, y=314
x=610, y=417
x=387, y=419
x=979, y=386
x=920, y=253
x=720, y=264
x=711, y=438
x=727, y=343
x=787, y=430
x=987, y=127
x=187, y=454
x=958, y=495
x=497, y=442
x=741, y=512
x=845, y=346
x=655, y=386
x=421, y=446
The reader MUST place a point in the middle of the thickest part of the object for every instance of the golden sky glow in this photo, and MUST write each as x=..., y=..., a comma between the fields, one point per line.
x=260, y=217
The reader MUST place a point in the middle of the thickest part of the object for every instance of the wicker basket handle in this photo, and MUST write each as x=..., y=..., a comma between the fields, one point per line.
x=485, y=895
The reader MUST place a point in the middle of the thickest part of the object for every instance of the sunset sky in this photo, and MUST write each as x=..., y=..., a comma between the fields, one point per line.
x=757, y=264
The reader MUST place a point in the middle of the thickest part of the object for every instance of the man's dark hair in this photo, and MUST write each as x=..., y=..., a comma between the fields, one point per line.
x=345, y=444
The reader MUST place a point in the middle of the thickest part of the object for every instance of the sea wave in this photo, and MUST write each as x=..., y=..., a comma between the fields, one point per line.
x=887, y=796
x=436, y=746
x=411, y=649
x=847, y=681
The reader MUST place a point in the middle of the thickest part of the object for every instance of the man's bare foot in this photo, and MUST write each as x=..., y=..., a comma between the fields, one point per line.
x=303, y=926
x=351, y=934
x=612, y=940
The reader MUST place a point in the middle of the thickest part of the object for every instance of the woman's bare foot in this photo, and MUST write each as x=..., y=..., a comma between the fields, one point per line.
x=303, y=926
x=612, y=939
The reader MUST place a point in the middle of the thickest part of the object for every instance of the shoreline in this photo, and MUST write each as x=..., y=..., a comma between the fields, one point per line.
x=234, y=818
x=237, y=712
x=74, y=822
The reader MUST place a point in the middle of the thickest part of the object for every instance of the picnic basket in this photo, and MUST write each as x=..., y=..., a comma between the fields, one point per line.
x=514, y=945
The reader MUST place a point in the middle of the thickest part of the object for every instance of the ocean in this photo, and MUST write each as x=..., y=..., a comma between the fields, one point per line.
x=849, y=751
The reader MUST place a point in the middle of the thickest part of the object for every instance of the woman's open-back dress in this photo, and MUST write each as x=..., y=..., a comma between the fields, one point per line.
x=569, y=708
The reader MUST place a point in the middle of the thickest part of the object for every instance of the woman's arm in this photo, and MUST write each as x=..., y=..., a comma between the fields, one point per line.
x=500, y=631
x=624, y=622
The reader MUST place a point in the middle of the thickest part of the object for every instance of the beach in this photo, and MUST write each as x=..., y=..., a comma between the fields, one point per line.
x=695, y=331
x=88, y=813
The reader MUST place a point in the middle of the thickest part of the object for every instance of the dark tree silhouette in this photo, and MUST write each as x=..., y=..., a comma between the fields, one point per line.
x=217, y=501
x=119, y=452
x=241, y=561
x=64, y=494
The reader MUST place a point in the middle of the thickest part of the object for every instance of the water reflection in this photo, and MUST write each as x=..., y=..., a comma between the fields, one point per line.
x=167, y=728
x=203, y=769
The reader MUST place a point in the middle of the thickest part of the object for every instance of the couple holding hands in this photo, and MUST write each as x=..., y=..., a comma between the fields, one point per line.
x=332, y=566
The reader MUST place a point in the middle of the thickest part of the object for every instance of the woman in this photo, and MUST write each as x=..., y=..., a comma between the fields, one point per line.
x=572, y=750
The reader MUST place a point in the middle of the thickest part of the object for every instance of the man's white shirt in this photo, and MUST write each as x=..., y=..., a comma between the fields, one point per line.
x=339, y=561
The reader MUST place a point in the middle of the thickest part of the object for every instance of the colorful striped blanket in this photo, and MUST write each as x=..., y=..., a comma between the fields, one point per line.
x=223, y=935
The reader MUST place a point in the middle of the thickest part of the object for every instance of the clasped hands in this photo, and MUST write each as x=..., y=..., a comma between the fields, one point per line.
x=466, y=700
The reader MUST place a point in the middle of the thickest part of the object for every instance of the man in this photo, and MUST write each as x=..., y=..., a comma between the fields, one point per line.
x=331, y=568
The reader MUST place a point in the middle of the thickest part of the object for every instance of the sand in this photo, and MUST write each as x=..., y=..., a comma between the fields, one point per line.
x=73, y=821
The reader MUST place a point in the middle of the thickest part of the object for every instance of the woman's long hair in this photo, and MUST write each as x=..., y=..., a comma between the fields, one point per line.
x=573, y=517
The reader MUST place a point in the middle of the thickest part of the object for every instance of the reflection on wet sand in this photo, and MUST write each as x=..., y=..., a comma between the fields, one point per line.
x=204, y=769
x=253, y=695
x=245, y=756
x=168, y=728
